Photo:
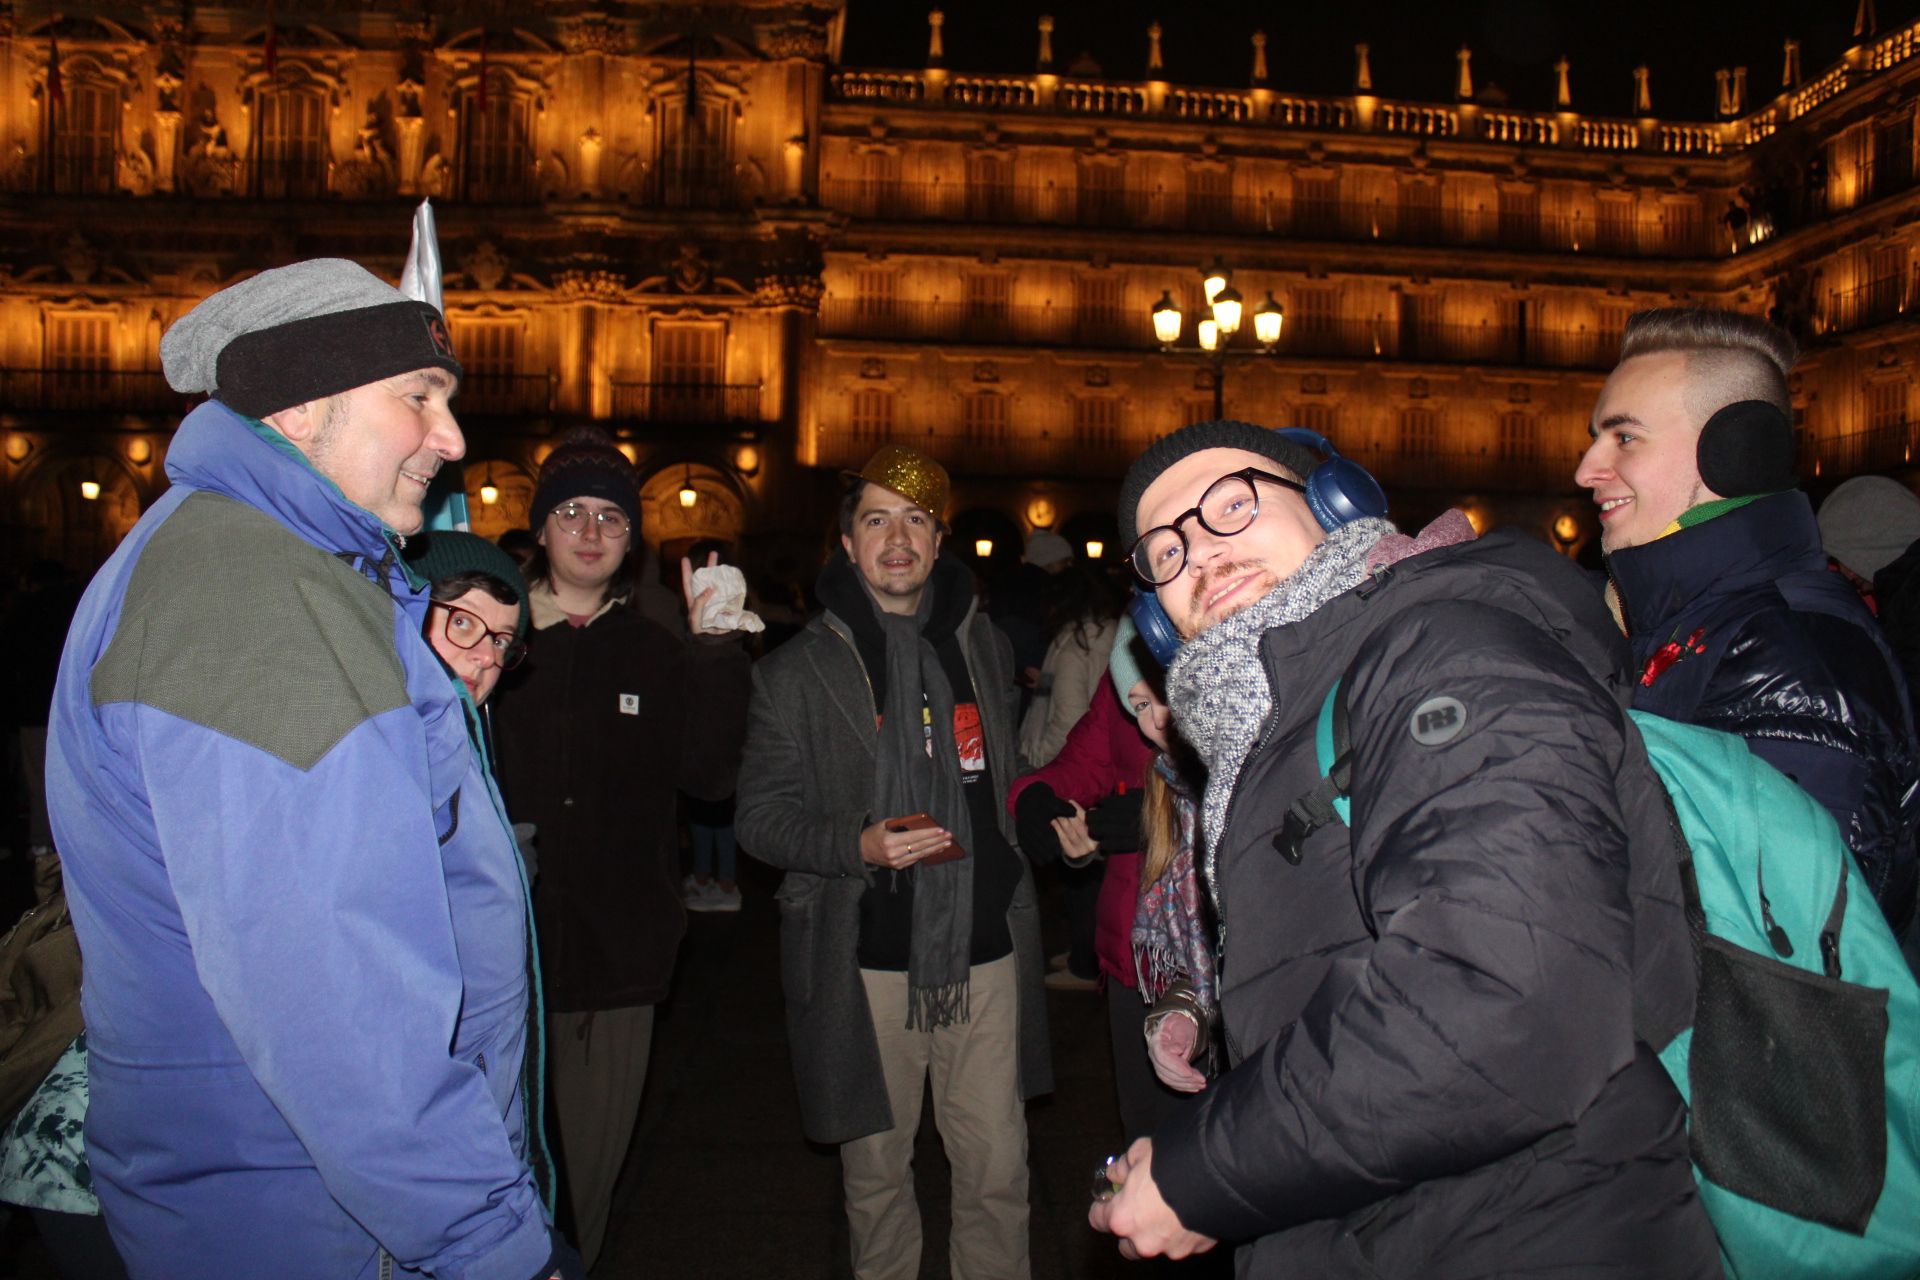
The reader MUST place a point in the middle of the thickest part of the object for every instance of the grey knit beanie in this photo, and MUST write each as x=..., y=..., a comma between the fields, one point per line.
x=301, y=333
x=1169, y=449
x=1868, y=522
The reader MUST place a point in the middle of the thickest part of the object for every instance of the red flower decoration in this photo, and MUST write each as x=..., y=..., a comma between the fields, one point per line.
x=1669, y=653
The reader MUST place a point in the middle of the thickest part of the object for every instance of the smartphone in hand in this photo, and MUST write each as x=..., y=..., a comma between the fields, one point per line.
x=925, y=822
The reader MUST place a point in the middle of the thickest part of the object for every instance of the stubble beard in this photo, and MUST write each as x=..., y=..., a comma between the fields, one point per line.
x=1211, y=583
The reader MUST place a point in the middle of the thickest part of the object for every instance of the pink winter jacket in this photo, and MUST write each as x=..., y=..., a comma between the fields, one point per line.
x=1105, y=753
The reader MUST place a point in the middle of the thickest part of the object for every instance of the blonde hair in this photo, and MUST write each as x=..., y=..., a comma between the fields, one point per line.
x=1730, y=356
x=1159, y=829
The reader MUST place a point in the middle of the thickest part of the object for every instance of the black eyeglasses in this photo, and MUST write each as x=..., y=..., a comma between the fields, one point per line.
x=465, y=630
x=1228, y=506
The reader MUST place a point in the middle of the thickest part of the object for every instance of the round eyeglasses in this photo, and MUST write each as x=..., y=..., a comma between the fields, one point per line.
x=611, y=521
x=1228, y=506
x=465, y=630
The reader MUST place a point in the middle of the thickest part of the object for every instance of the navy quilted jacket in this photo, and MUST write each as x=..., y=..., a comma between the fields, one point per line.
x=1737, y=624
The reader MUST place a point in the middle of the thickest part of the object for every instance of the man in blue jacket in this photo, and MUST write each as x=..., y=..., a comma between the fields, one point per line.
x=1722, y=584
x=302, y=912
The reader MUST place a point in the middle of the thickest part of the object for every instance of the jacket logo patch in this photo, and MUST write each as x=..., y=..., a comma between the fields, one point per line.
x=1438, y=721
x=629, y=704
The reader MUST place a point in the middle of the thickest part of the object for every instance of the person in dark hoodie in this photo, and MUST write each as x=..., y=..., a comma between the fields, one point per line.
x=1722, y=583
x=901, y=961
x=1438, y=1018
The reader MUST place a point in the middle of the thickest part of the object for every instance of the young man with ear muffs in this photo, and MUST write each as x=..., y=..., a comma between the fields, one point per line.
x=1722, y=587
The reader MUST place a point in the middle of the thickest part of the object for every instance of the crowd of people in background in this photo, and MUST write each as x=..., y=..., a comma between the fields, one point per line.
x=379, y=841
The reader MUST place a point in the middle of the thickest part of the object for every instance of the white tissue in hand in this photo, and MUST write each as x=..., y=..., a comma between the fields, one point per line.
x=726, y=609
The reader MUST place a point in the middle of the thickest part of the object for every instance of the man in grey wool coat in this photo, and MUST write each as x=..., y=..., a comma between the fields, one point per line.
x=879, y=749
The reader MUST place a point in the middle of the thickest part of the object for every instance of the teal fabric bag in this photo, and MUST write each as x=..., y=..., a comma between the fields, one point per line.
x=1802, y=1067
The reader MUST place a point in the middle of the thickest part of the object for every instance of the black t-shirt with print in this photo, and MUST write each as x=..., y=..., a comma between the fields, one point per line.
x=886, y=910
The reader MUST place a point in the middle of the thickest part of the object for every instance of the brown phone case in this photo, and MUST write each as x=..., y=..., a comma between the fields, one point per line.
x=925, y=822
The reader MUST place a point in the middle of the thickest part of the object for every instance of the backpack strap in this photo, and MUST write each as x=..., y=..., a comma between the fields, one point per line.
x=1326, y=801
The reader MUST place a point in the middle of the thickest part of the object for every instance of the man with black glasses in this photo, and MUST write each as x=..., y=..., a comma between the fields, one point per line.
x=1430, y=1003
x=610, y=718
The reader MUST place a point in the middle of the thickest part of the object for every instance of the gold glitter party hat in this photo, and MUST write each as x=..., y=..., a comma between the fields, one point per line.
x=914, y=476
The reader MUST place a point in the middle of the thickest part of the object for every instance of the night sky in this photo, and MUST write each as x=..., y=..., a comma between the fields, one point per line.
x=1310, y=46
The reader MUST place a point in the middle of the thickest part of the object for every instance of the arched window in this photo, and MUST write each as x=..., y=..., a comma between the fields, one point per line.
x=291, y=154
x=695, y=147
x=86, y=129
x=496, y=140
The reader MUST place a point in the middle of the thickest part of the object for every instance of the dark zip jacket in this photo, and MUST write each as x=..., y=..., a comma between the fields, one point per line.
x=596, y=733
x=1435, y=1017
x=1770, y=645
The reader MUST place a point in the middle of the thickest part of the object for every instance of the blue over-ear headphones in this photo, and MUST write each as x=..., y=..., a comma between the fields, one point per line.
x=1339, y=491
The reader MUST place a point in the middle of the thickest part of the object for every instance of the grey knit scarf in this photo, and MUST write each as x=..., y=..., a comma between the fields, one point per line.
x=919, y=772
x=1217, y=685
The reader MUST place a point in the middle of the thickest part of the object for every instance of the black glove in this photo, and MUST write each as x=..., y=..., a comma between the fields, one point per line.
x=1114, y=823
x=1033, y=815
x=565, y=1264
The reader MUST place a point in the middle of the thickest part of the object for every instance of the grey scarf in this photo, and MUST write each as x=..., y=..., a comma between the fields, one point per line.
x=919, y=771
x=1217, y=685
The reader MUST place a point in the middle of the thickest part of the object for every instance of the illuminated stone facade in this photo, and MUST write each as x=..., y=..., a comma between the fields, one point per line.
x=690, y=224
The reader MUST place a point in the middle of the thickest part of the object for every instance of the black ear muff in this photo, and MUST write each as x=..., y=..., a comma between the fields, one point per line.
x=1745, y=449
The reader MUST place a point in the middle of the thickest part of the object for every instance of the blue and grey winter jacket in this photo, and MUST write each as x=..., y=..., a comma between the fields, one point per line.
x=303, y=917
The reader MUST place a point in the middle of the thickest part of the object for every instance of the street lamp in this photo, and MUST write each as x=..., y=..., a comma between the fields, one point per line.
x=1226, y=308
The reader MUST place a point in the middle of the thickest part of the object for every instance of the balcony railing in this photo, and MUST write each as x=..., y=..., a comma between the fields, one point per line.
x=1131, y=209
x=504, y=393
x=1877, y=449
x=103, y=390
x=1032, y=452
x=1376, y=339
x=687, y=402
x=1880, y=301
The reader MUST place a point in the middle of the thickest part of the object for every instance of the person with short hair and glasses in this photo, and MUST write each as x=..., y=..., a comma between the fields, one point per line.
x=613, y=715
x=477, y=607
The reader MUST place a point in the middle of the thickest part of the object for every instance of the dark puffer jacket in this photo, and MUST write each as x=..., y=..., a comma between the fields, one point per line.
x=1432, y=1016
x=1788, y=658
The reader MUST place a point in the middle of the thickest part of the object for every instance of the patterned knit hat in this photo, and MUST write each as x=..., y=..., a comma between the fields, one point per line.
x=300, y=333
x=1169, y=449
x=439, y=554
x=585, y=464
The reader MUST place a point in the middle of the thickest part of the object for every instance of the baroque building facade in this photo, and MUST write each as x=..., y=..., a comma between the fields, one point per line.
x=690, y=224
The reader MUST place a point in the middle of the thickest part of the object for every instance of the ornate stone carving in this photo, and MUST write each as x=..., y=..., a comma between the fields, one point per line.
x=1097, y=375
x=873, y=367
x=594, y=34
x=986, y=371
x=485, y=267
x=78, y=259
x=802, y=292
x=794, y=40
x=690, y=271
x=589, y=286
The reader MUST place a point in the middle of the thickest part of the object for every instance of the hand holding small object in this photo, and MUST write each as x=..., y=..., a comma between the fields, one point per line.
x=885, y=844
x=1135, y=1211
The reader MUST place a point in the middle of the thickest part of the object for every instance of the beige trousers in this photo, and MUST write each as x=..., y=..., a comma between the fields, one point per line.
x=974, y=1070
x=598, y=1065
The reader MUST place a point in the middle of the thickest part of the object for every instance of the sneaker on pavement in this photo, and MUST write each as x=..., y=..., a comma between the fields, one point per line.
x=711, y=897
x=1068, y=980
x=692, y=890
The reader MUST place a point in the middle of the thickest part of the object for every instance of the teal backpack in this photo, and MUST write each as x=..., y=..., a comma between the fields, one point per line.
x=1801, y=1070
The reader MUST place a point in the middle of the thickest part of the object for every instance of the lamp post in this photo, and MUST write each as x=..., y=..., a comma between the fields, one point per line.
x=1226, y=308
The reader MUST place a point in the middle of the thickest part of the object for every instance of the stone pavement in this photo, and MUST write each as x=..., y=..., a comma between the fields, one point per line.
x=720, y=1182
